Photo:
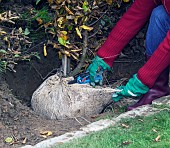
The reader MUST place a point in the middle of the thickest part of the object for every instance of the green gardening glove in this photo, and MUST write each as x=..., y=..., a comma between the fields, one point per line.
x=97, y=66
x=133, y=88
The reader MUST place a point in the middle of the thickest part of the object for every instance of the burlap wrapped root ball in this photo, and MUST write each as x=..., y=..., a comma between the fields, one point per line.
x=55, y=99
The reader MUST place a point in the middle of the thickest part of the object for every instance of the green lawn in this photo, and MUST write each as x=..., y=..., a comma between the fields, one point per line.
x=140, y=132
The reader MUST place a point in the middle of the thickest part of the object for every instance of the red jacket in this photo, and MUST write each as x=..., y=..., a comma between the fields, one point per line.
x=166, y=4
x=128, y=26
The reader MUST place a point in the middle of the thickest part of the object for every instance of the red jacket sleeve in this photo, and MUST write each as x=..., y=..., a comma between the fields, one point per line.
x=166, y=4
x=159, y=60
x=126, y=28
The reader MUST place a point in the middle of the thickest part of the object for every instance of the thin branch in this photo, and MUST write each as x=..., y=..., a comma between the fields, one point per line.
x=50, y=73
x=81, y=63
x=93, y=34
x=38, y=72
x=35, y=46
x=98, y=19
x=85, y=119
x=78, y=121
x=43, y=78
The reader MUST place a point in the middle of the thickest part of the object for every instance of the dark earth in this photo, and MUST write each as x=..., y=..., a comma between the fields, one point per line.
x=20, y=122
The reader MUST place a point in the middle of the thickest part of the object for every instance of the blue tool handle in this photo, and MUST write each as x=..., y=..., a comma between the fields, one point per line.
x=86, y=79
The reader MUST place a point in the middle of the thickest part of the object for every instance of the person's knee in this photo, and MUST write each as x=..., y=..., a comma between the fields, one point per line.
x=159, y=14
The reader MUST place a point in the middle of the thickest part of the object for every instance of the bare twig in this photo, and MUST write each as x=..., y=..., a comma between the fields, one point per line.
x=2, y=26
x=98, y=19
x=51, y=72
x=93, y=34
x=85, y=119
x=43, y=78
x=78, y=121
x=36, y=46
x=38, y=72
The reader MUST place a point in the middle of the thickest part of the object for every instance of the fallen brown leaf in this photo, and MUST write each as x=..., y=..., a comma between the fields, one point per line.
x=157, y=139
x=140, y=120
x=125, y=125
x=45, y=134
x=95, y=116
x=154, y=130
x=14, y=142
x=24, y=141
x=126, y=142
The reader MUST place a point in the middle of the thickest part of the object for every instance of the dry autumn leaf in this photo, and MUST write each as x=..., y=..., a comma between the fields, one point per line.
x=16, y=52
x=47, y=24
x=45, y=134
x=140, y=120
x=55, y=45
x=109, y=1
x=126, y=142
x=60, y=22
x=76, y=19
x=39, y=20
x=8, y=17
x=66, y=53
x=52, y=32
x=50, y=1
x=59, y=1
x=86, y=27
x=45, y=50
x=157, y=139
x=24, y=141
x=85, y=19
x=76, y=50
x=68, y=10
x=118, y=5
x=6, y=39
x=2, y=32
x=154, y=130
x=125, y=125
x=63, y=32
x=126, y=1
x=78, y=32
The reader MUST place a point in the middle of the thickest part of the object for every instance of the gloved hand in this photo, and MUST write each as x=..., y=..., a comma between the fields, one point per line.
x=133, y=88
x=97, y=67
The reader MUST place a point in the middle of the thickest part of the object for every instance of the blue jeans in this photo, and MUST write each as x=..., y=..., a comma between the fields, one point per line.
x=158, y=27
